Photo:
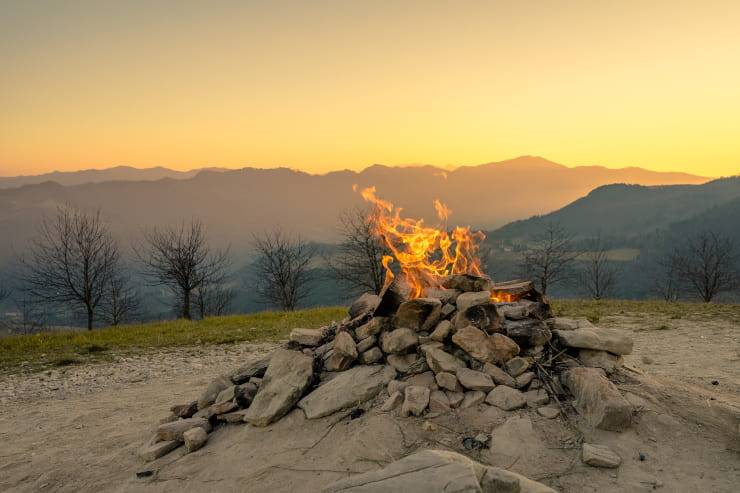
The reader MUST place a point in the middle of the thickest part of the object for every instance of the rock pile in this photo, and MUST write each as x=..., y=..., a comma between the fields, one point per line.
x=454, y=348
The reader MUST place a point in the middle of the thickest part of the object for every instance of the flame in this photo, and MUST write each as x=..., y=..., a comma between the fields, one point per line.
x=425, y=254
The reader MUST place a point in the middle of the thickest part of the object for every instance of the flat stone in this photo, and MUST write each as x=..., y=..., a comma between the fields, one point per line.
x=498, y=375
x=425, y=379
x=600, y=359
x=153, y=451
x=233, y=417
x=454, y=398
x=285, y=381
x=221, y=408
x=442, y=331
x=366, y=303
x=245, y=394
x=472, y=298
x=335, y=361
x=442, y=294
x=528, y=333
x=517, y=365
x=399, y=340
x=548, y=412
x=416, y=400
x=308, y=337
x=228, y=394
x=371, y=356
x=615, y=341
x=194, y=439
x=373, y=327
x=254, y=369
x=208, y=397
x=447, y=310
x=597, y=399
x=403, y=362
x=438, y=360
x=536, y=398
x=439, y=402
x=420, y=314
x=474, y=380
x=366, y=344
x=523, y=380
x=495, y=348
x=346, y=390
x=396, y=386
x=600, y=456
x=564, y=323
x=484, y=316
x=448, y=381
x=472, y=398
x=506, y=398
x=393, y=401
x=175, y=429
x=185, y=410
x=345, y=345
x=467, y=283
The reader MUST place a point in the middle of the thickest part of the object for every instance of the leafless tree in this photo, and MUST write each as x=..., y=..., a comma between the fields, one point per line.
x=707, y=264
x=598, y=275
x=32, y=316
x=180, y=259
x=666, y=281
x=550, y=256
x=71, y=261
x=282, y=268
x=213, y=300
x=121, y=304
x=356, y=263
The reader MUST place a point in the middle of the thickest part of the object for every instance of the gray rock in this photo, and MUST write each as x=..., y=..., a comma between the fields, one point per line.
x=364, y=304
x=308, y=337
x=287, y=377
x=495, y=348
x=373, y=327
x=349, y=389
x=600, y=456
x=499, y=376
x=345, y=345
x=371, y=356
x=442, y=331
x=467, y=283
x=484, y=316
x=403, y=362
x=255, y=369
x=466, y=300
x=600, y=359
x=396, y=386
x=523, y=380
x=597, y=399
x=393, y=401
x=399, y=340
x=615, y=341
x=194, y=439
x=420, y=314
x=438, y=402
x=563, y=323
x=442, y=294
x=506, y=398
x=548, y=412
x=454, y=398
x=416, y=400
x=155, y=450
x=448, y=310
x=425, y=379
x=438, y=361
x=474, y=380
x=366, y=344
x=208, y=397
x=233, y=417
x=472, y=398
x=528, y=333
x=517, y=365
x=448, y=381
x=175, y=429
x=245, y=394
x=227, y=394
x=185, y=410
x=536, y=398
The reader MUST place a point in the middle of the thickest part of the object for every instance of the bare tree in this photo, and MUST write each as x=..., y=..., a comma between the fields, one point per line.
x=32, y=316
x=282, y=268
x=71, y=261
x=121, y=304
x=180, y=259
x=212, y=300
x=598, y=275
x=356, y=262
x=666, y=280
x=550, y=256
x=707, y=264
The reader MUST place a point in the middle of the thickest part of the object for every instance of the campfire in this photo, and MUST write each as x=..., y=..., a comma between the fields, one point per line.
x=441, y=336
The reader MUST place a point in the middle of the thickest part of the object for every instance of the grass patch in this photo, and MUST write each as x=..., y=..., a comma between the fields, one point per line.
x=49, y=349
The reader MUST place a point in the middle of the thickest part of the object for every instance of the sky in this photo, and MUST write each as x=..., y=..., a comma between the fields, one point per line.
x=323, y=85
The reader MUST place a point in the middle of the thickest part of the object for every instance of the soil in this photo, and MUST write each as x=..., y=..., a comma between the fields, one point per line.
x=79, y=428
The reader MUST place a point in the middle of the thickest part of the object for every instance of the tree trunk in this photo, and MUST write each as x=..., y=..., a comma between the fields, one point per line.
x=186, y=305
x=89, y=318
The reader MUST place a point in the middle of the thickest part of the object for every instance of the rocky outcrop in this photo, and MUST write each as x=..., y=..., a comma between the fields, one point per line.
x=597, y=399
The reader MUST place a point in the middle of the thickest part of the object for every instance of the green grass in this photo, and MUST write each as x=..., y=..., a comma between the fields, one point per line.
x=55, y=349
x=595, y=310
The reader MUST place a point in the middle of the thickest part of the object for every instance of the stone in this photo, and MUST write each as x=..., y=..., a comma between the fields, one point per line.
x=597, y=399
x=399, y=340
x=600, y=456
x=346, y=390
x=438, y=402
x=437, y=471
x=548, y=412
x=391, y=297
x=393, y=401
x=208, y=396
x=403, y=362
x=528, y=333
x=484, y=316
x=536, y=398
x=345, y=345
x=495, y=348
x=600, y=359
x=256, y=381
x=366, y=344
x=466, y=300
x=447, y=310
x=513, y=311
x=420, y=314
x=227, y=394
x=233, y=417
x=175, y=429
x=416, y=400
x=563, y=323
x=448, y=381
x=153, y=451
x=168, y=419
x=255, y=369
x=285, y=381
x=371, y=356
x=396, y=386
x=499, y=376
x=246, y=393
x=425, y=379
x=474, y=380
x=438, y=361
x=366, y=303
x=308, y=337
x=472, y=398
x=523, y=380
x=506, y=398
x=185, y=410
x=194, y=439
x=373, y=327
x=517, y=365
x=442, y=294
x=442, y=331
x=323, y=349
x=221, y=408
x=615, y=341
x=454, y=398
x=467, y=283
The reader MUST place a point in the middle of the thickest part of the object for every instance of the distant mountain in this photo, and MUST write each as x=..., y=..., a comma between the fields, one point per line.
x=236, y=203
x=628, y=211
x=117, y=173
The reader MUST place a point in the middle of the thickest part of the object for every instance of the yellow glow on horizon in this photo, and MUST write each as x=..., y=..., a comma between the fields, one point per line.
x=334, y=85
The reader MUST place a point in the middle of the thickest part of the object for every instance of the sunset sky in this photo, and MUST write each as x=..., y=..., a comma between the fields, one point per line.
x=321, y=85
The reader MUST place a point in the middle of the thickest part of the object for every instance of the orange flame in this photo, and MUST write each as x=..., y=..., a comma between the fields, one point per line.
x=425, y=254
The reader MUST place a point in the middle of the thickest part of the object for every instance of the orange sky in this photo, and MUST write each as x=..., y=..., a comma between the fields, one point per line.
x=343, y=84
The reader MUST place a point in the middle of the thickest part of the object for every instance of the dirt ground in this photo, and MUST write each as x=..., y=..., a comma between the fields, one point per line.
x=79, y=428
